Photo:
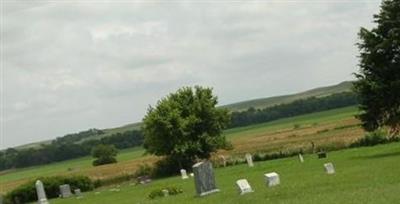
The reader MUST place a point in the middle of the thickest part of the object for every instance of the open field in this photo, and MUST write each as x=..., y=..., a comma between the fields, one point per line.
x=334, y=127
x=363, y=175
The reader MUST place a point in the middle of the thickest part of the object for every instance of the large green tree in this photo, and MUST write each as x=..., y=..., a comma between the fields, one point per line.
x=185, y=125
x=378, y=84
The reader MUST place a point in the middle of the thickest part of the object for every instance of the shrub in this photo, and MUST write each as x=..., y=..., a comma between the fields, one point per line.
x=27, y=192
x=372, y=138
x=172, y=190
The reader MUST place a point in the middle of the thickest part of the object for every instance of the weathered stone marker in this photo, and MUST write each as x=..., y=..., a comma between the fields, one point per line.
x=78, y=193
x=272, y=179
x=301, y=159
x=41, y=194
x=204, y=179
x=1, y=199
x=244, y=186
x=249, y=160
x=329, y=169
x=184, y=174
x=65, y=191
x=222, y=160
x=321, y=155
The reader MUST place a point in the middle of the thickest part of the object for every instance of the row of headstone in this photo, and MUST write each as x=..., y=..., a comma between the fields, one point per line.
x=65, y=192
x=205, y=179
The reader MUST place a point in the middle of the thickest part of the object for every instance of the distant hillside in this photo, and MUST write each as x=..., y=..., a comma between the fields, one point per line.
x=271, y=101
x=240, y=106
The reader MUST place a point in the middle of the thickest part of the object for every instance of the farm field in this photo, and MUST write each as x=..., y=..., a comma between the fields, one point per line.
x=363, y=175
x=334, y=127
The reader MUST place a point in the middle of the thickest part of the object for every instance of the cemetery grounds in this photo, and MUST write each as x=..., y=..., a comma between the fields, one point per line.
x=334, y=128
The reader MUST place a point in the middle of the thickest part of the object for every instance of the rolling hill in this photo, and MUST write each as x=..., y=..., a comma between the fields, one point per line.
x=276, y=100
x=345, y=86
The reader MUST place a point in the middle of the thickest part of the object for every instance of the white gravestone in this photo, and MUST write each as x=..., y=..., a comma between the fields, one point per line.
x=301, y=159
x=244, y=186
x=184, y=174
x=222, y=160
x=249, y=160
x=65, y=191
x=41, y=194
x=204, y=179
x=272, y=179
x=329, y=169
x=78, y=193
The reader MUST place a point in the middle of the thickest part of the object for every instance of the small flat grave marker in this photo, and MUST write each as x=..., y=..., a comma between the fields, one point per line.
x=78, y=193
x=272, y=179
x=249, y=160
x=184, y=174
x=329, y=169
x=244, y=186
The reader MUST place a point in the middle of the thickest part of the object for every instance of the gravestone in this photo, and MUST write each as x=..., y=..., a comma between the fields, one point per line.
x=301, y=159
x=249, y=160
x=165, y=192
x=1, y=199
x=184, y=174
x=321, y=155
x=244, y=186
x=222, y=160
x=41, y=194
x=78, y=193
x=272, y=179
x=204, y=179
x=143, y=179
x=65, y=191
x=329, y=169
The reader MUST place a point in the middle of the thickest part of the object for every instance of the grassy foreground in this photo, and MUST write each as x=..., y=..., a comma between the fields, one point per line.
x=363, y=175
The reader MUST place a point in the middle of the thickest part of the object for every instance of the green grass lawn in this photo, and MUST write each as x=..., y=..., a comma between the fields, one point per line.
x=363, y=175
x=60, y=167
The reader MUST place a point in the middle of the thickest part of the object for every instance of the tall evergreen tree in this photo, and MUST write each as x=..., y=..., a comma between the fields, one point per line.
x=378, y=84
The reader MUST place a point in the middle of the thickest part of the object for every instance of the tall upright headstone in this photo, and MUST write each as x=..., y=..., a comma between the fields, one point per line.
x=65, y=191
x=204, y=179
x=222, y=160
x=184, y=174
x=41, y=194
x=301, y=159
x=249, y=160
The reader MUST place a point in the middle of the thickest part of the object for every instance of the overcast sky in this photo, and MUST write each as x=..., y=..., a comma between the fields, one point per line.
x=71, y=66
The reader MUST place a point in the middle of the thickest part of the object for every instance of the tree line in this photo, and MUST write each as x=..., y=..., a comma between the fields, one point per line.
x=65, y=148
x=79, y=144
x=298, y=107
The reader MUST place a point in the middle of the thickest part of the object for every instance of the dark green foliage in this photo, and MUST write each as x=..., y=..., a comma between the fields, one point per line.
x=185, y=125
x=63, y=148
x=373, y=138
x=105, y=154
x=299, y=107
x=27, y=192
x=378, y=85
x=158, y=193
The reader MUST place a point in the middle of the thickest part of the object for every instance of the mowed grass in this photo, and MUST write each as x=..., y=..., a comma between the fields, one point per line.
x=363, y=175
x=321, y=128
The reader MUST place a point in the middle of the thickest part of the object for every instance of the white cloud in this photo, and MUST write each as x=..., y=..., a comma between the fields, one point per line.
x=75, y=65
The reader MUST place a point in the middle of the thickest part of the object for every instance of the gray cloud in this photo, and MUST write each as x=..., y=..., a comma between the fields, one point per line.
x=70, y=66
